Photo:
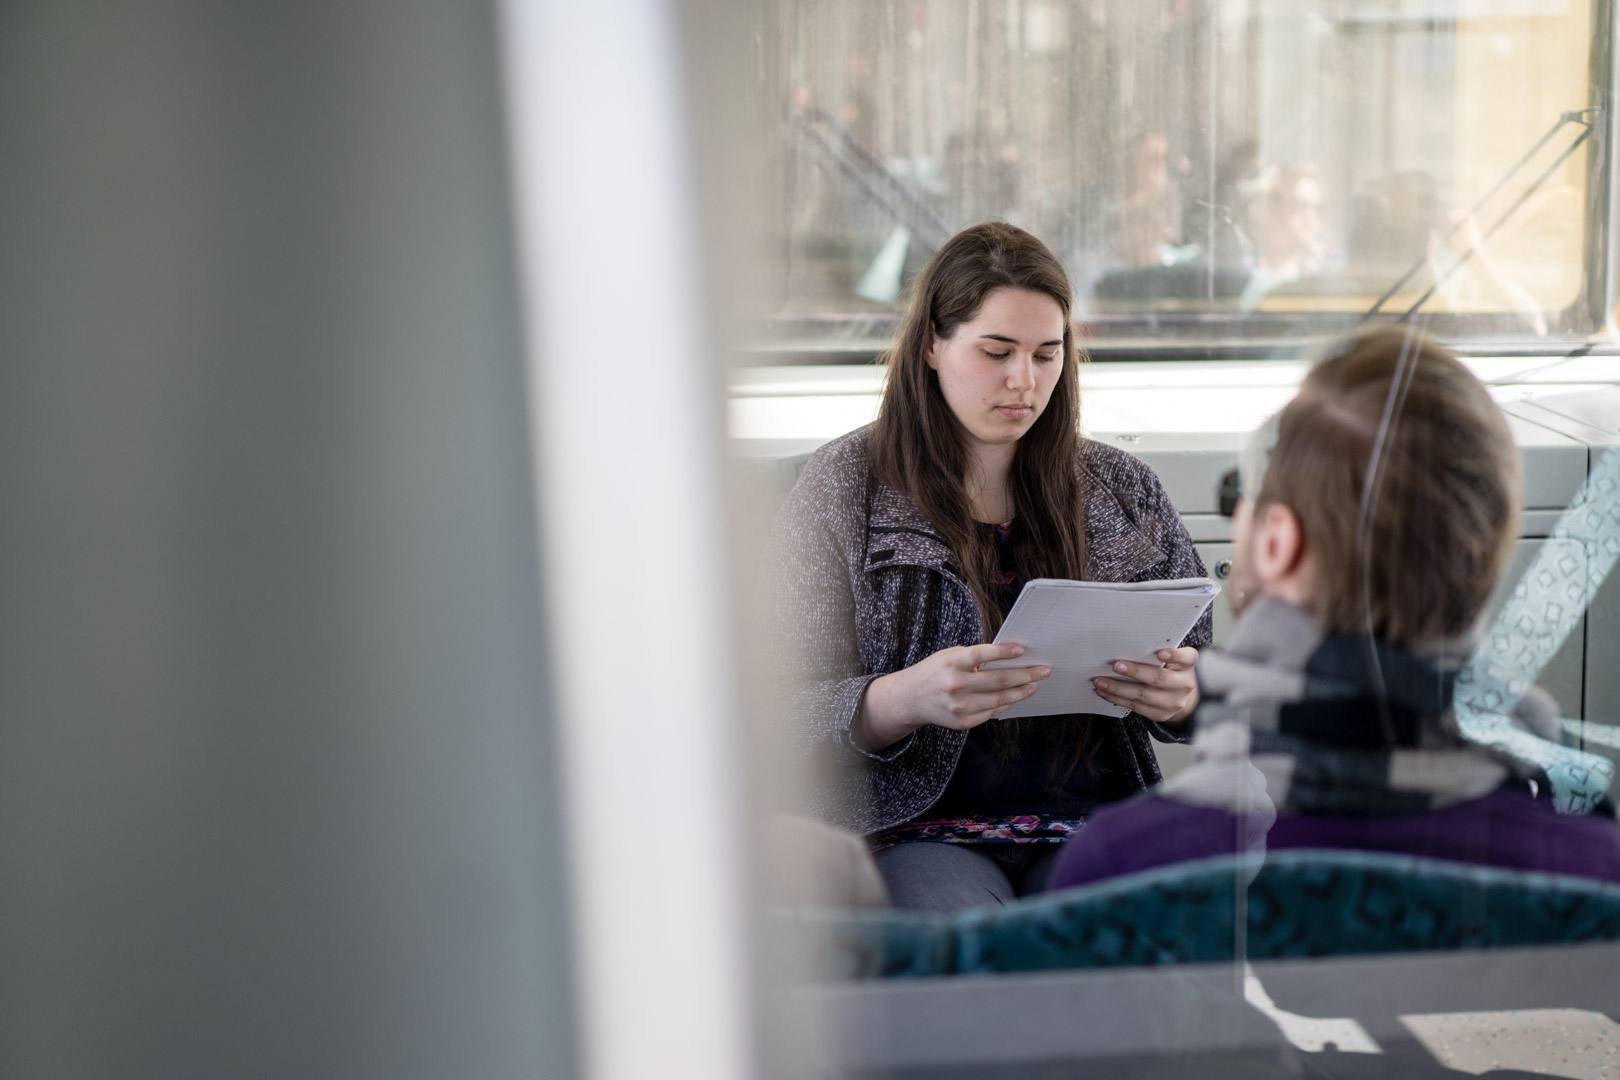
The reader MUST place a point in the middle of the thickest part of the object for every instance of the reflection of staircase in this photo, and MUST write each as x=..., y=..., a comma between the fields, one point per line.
x=863, y=167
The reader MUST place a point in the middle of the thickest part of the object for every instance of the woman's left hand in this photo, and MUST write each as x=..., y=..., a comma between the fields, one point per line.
x=1166, y=694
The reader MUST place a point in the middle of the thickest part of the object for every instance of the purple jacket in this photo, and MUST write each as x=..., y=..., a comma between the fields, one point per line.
x=1507, y=829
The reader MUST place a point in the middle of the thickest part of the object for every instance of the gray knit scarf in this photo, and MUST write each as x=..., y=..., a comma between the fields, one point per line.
x=1296, y=721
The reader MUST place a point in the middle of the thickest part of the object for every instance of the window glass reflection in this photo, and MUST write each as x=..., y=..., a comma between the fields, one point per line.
x=1228, y=170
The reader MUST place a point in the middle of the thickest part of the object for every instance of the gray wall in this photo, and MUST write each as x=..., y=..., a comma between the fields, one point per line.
x=276, y=785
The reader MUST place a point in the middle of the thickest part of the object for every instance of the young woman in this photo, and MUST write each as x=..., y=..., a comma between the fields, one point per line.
x=903, y=546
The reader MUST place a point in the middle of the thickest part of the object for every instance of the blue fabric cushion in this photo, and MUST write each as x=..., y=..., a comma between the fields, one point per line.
x=1298, y=903
x=1322, y=903
x=1170, y=915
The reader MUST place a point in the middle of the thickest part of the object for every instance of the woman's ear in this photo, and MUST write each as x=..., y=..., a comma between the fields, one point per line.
x=933, y=350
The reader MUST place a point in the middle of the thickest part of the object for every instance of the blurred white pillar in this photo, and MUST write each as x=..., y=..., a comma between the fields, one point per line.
x=628, y=440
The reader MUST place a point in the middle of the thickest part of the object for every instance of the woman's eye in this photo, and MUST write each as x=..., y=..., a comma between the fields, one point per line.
x=1048, y=358
x=997, y=355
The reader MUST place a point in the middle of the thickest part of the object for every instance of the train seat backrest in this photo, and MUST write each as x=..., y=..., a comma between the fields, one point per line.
x=1297, y=903
x=762, y=485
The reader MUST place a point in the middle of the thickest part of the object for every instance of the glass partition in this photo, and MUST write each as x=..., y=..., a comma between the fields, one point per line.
x=1383, y=874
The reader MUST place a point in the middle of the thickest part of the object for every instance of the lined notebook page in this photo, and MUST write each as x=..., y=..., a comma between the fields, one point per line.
x=1079, y=628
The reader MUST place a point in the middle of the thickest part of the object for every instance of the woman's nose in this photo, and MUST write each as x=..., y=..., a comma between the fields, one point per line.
x=1022, y=375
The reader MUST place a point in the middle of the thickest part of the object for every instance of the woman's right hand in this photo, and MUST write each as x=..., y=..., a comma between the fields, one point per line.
x=948, y=689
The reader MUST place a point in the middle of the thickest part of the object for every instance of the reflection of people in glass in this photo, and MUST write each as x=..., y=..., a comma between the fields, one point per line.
x=1407, y=218
x=1403, y=219
x=1219, y=228
x=1285, y=225
x=1373, y=518
x=903, y=546
x=982, y=171
x=1285, y=229
x=1147, y=215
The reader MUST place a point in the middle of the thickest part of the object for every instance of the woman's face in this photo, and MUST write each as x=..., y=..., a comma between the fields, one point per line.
x=998, y=370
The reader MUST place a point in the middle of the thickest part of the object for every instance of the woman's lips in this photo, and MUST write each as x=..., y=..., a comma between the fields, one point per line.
x=1015, y=412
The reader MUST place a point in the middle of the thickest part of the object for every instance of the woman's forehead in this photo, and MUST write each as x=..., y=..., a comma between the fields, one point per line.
x=1019, y=312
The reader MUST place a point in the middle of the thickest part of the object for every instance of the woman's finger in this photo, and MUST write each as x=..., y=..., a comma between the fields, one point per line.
x=1012, y=697
x=1151, y=674
x=1122, y=693
x=972, y=657
x=983, y=707
x=994, y=700
x=1168, y=677
x=1149, y=707
x=1003, y=678
x=1153, y=702
x=1184, y=657
x=1141, y=693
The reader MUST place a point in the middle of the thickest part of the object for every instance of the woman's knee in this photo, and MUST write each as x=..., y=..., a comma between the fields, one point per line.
x=930, y=876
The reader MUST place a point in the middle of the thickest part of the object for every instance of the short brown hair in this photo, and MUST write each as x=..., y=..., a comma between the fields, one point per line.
x=1406, y=483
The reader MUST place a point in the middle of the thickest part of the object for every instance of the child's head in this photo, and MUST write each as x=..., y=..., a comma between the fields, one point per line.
x=1389, y=500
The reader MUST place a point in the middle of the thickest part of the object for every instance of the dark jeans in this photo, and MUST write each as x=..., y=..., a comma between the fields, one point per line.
x=925, y=875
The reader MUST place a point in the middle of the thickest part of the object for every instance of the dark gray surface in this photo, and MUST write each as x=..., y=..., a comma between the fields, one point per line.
x=1175, y=1021
x=947, y=878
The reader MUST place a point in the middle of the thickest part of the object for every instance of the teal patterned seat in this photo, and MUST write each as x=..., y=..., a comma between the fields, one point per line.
x=1298, y=904
x=1170, y=915
x=1321, y=903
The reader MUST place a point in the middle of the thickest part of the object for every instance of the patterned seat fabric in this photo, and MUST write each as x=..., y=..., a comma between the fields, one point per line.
x=1172, y=915
x=1298, y=903
x=1306, y=903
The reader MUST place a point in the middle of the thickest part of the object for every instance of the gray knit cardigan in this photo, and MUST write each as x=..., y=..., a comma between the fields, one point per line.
x=860, y=584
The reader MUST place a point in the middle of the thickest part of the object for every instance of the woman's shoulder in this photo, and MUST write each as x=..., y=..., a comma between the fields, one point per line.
x=1132, y=526
x=1130, y=521
x=837, y=471
x=842, y=460
x=832, y=485
x=1125, y=476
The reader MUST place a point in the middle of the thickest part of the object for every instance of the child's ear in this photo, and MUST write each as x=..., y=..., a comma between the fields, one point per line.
x=1279, y=547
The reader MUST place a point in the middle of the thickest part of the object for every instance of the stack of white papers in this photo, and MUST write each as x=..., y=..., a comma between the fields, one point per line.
x=1079, y=628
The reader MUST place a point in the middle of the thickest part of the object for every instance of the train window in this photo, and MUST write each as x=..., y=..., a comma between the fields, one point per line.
x=1219, y=174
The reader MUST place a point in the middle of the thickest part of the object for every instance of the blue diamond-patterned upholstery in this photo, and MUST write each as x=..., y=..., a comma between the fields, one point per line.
x=1307, y=903
x=1171, y=915
x=1298, y=904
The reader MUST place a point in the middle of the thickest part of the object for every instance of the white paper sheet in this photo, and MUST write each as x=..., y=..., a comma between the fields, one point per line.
x=1079, y=628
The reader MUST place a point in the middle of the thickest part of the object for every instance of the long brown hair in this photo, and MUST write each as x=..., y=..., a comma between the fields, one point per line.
x=919, y=446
